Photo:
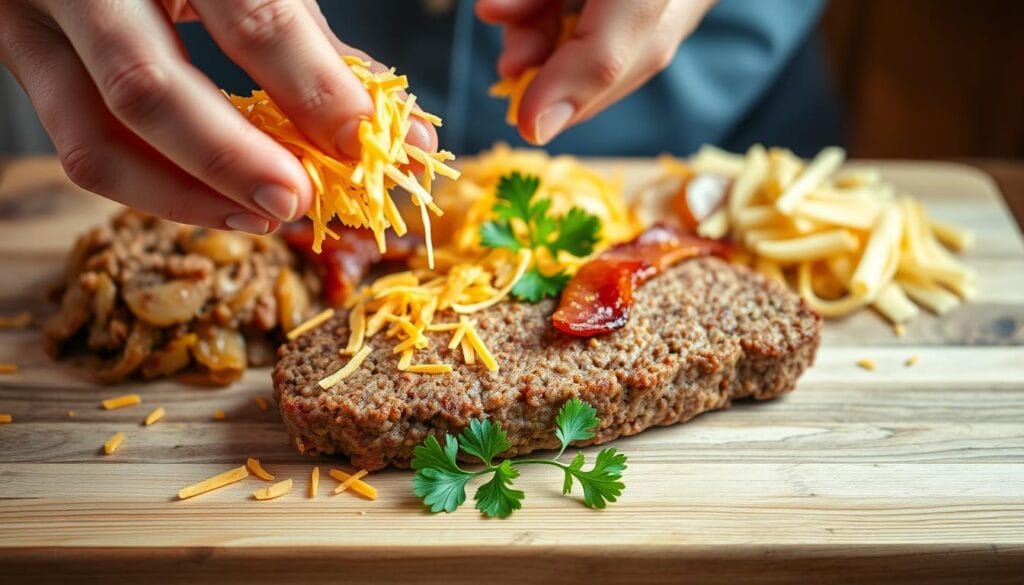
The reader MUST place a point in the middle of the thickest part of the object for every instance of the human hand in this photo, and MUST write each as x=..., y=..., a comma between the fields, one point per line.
x=617, y=46
x=133, y=120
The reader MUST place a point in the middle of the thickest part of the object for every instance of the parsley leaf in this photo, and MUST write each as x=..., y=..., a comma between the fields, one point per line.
x=483, y=439
x=496, y=498
x=533, y=286
x=439, y=480
x=442, y=483
x=602, y=483
x=576, y=232
x=575, y=421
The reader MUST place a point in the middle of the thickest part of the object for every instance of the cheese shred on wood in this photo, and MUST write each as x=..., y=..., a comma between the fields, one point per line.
x=217, y=481
x=254, y=466
x=273, y=491
x=113, y=443
x=354, y=482
x=314, y=481
x=358, y=192
x=6, y=418
x=8, y=368
x=121, y=401
x=157, y=414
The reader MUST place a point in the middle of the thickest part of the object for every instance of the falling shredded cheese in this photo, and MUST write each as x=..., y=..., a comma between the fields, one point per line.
x=912, y=360
x=273, y=491
x=261, y=403
x=254, y=466
x=121, y=401
x=314, y=481
x=154, y=416
x=6, y=418
x=113, y=443
x=867, y=364
x=358, y=192
x=219, y=415
x=310, y=324
x=217, y=481
x=353, y=481
x=8, y=368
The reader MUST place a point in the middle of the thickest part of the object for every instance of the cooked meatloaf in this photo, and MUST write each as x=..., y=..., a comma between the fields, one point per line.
x=143, y=296
x=703, y=334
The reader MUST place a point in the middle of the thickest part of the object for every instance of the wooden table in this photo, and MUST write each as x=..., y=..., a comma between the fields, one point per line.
x=903, y=474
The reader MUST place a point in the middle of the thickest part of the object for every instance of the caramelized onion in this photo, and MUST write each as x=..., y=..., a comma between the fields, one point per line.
x=175, y=301
x=292, y=299
x=220, y=246
x=222, y=352
x=599, y=296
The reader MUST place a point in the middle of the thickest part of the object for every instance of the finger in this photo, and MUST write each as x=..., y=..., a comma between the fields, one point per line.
x=130, y=52
x=280, y=45
x=508, y=11
x=99, y=154
x=529, y=43
x=422, y=134
x=596, y=61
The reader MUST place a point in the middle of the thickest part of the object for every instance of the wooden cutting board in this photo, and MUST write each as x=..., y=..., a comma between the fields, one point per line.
x=901, y=474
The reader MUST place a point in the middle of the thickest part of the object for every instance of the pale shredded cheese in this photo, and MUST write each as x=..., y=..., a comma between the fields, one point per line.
x=254, y=466
x=157, y=414
x=358, y=192
x=273, y=491
x=121, y=401
x=867, y=364
x=113, y=443
x=912, y=360
x=346, y=370
x=217, y=481
x=310, y=323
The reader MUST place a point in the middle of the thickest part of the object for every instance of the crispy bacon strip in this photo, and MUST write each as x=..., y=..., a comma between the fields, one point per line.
x=346, y=261
x=599, y=297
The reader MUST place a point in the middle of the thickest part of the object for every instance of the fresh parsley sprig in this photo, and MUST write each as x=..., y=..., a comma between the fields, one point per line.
x=576, y=232
x=441, y=482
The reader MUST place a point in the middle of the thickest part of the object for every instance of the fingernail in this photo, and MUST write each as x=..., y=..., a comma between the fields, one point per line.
x=346, y=140
x=553, y=120
x=248, y=222
x=281, y=202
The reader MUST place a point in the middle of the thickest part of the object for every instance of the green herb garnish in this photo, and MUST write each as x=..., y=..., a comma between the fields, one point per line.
x=576, y=232
x=442, y=483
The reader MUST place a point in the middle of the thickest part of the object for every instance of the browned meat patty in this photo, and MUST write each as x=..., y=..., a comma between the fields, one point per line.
x=701, y=335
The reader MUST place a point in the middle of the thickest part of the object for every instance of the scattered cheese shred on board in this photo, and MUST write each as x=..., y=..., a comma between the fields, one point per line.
x=310, y=324
x=261, y=403
x=273, y=491
x=358, y=192
x=912, y=360
x=154, y=416
x=254, y=466
x=314, y=481
x=219, y=415
x=16, y=321
x=867, y=364
x=358, y=485
x=6, y=418
x=121, y=401
x=217, y=481
x=113, y=443
x=71, y=414
x=8, y=368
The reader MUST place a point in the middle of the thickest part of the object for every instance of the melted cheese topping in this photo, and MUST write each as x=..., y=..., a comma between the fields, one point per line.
x=358, y=192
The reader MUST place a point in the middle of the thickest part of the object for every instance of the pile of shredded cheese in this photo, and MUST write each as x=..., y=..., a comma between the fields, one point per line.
x=358, y=192
x=468, y=277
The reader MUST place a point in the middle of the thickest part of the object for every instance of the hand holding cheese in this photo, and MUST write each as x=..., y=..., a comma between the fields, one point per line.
x=568, y=74
x=134, y=121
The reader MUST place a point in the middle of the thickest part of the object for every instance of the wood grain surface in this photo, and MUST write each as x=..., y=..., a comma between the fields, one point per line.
x=904, y=474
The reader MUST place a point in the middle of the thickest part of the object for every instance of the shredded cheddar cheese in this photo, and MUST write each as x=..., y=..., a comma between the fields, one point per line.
x=867, y=364
x=215, y=482
x=353, y=481
x=113, y=443
x=310, y=324
x=261, y=403
x=912, y=360
x=6, y=418
x=273, y=491
x=121, y=401
x=154, y=416
x=358, y=192
x=8, y=368
x=219, y=415
x=254, y=466
x=314, y=481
